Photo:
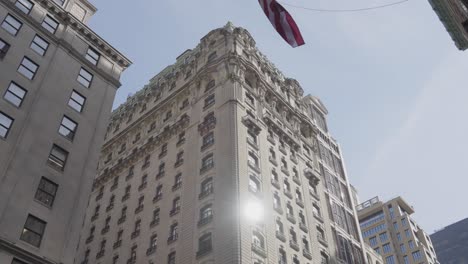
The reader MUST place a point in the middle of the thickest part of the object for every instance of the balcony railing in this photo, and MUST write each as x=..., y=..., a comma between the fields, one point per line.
x=157, y=198
x=204, y=251
x=121, y=219
x=303, y=227
x=293, y=244
x=160, y=175
x=135, y=234
x=155, y=222
x=259, y=250
x=275, y=183
x=204, y=194
x=280, y=236
x=117, y=244
x=306, y=253
x=174, y=211
x=139, y=209
x=176, y=186
x=150, y=251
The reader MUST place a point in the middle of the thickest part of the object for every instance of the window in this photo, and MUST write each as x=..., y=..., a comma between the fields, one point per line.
x=411, y=244
x=404, y=222
x=46, y=192
x=153, y=242
x=402, y=248
x=206, y=187
x=171, y=258
x=204, y=243
x=390, y=260
x=383, y=237
x=206, y=213
x=406, y=259
x=282, y=256
x=252, y=160
x=28, y=68
x=60, y=2
x=407, y=233
x=210, y=100
x=212, y=56
x=39, y=45
x=249, y=99
x=373, y=241
x=323, y=258
x=92, y=56
x=258, y=240
x=33, y=231
x=58, y=157
x=173, y=232
x=210, y=85
x=16, y=261
x=395, y=225
x=15, y=94
x=4, y=47
x=279, y=227
x=133, y=254
x=50, y=24
x=68, y=128
x=276, y=201
x=398, y=236
x=387, y=248
x=208, y=140
x=77, y=101
x=85, y=78
x=207, y=162
x=24, y=5
x=254, y=184
x=12, y=25
x=175, y=205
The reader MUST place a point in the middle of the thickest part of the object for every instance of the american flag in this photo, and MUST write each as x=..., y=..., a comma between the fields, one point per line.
x=283, y=22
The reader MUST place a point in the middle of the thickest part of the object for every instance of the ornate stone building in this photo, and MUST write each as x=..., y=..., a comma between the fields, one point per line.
x=388, y=228
x=57, y=84
x=221, y=159
x=454, y=15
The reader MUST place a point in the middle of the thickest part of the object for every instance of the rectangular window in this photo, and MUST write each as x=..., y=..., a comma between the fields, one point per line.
x=92, y=56
x=12, y=25
x=77, y=101
x=4, y=47
x=28, y=68
x=15, y=94
x=39, y=45
x=50, y=24
x=5, y=125
x=60, y=2
x=85, y=78
x=33, y=231
x=68, y=128
x=46, y=192
x=24, y=5
x=417, y=255
x=390, y=260
x=58, y=157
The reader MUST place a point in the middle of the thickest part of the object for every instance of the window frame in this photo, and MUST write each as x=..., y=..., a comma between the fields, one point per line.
x=7, y=128
x=45, y=24
x=9, y=24
x=89, y=56
x=40, y=234
x=52, y=163
x=40, y=49
x=72, y=132
x=84, y=81
x=23, y=66
x=76, y=102
x=43, y=191
x=4, y=49
x=20, y=5
x=14, y=95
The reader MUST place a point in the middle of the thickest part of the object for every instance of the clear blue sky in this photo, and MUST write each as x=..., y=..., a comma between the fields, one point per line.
x=393, y=81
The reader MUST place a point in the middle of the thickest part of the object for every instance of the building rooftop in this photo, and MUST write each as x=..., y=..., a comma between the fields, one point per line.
x=454, y=16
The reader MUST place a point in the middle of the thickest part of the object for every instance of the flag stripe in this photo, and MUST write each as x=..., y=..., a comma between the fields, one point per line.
x=282, y=21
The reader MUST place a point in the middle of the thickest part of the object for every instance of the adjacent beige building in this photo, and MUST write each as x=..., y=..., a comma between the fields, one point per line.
x=57, y=83
x=221, y=159
x=388, y=228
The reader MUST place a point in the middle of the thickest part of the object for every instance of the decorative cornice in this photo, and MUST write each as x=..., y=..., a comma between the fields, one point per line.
x=68, y=19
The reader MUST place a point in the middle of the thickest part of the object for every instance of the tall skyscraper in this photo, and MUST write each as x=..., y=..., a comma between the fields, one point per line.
x=57, y=84
x=451, y=243
x=221, y=159
x=388, y=228
x=454, y=15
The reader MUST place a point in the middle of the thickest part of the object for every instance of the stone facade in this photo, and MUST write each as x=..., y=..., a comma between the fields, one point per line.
x=389, y=230
x=454, y=15
x=221, y=159
x=57, y=85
